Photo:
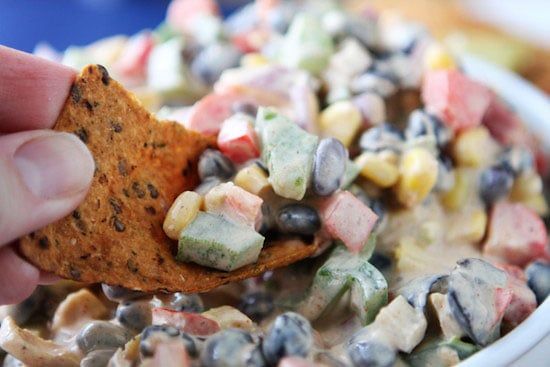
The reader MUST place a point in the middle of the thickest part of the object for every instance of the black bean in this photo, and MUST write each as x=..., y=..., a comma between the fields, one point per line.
x=212, y=163
x=371, y=354
x=23, y=311
x=421, y=123
x=231, y=348
x=329, y=166
x=472, y=288
x=186, y=302
x=97, y=358
x=289, y=335
x=101, y=335
x=538, y=279
x=134, y=315
x=380, y=261
x=257, y=305
x=495, y=183
x=374, y=82
x=517, y=160
x=156, y=334
x=381, y=137
x=416, y=291
x=247, y=108
x=298, y=219
x=210, y=63
x=117, y=294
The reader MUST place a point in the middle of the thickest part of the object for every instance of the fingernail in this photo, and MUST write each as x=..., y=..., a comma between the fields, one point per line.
x=54, y=166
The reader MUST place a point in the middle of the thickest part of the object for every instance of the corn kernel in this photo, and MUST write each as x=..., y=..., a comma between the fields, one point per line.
x=252, y=178
x=525, y=186
x=181, y=213
x=340, y=120
x=438, y=58
x=475, y=148
x=418, y=171
x=456, y=197
x=411, y=258
x=389, y=156
x=537, y=203
x=376, y=169
x=254, y=60
x=476, y=226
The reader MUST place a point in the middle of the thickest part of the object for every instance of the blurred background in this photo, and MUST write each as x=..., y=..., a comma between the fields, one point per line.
x=515, y=33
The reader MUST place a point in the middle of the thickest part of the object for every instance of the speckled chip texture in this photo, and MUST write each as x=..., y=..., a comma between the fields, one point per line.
x=115, y=236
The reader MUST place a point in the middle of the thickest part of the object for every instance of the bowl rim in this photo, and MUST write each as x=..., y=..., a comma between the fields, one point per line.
x=533, y=106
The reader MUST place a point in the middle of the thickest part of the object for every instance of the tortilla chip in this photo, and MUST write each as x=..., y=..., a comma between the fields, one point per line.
x=115, y=236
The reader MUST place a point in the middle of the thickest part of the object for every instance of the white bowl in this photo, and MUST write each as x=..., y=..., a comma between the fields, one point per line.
x=534, y=108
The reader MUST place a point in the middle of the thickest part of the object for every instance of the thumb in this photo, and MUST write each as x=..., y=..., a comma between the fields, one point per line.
x=44, y=175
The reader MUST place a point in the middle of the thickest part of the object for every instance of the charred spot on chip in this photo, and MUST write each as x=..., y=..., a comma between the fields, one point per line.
x=116, y=205
x=126, y=192
x=138, y=190
x=82, y=134
x=185, y=171
x=159, y=144
x=43, y=243
x=74, y=273
x=88, y=105
x=85, y=256
x=103, y=179
x=105, y=77
x=76, y=94
x=117, y=224
x=116, y=126
x=150, y=210
x=122, y=167
x=132, y=266
x=153, y=192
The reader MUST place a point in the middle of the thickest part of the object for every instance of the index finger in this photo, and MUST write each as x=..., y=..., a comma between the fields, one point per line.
x=32, y=90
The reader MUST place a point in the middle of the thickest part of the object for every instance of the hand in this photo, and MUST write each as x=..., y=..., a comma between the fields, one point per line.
x=44, y=175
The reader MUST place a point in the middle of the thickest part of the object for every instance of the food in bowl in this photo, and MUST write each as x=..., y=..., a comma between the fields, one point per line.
x=358, y=133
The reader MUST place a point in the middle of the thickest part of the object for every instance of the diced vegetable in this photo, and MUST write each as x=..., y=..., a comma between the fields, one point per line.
x=288, y=152
x=463, y=188
x=418, y=175
x=215, y=242
x=344, y=272
x=182, y=212
x=456, y=99
x=478, y=297
x=253, y=179
x=372, y=108
x=403, y=325
x=132, y=63
x=447, y=322
x=234, y=204
x=237, y=139
x=191, y=323
x=516, y=234
x=341, y=120
x=253, y=60
x=351, y=173
x=183, y=14
x=436, y=57
x=171, y=354
x=32, y=350
x=348, y=219
x=398, y=326
x=381, y=172
x=229, y=317
x=306, y=45
x=523, y=301
x=209, y=113
x=475, y=148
